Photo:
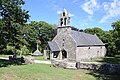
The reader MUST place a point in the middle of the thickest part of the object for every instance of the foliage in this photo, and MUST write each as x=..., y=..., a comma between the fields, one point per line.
x=40, y=32
x=10, y=49
x=116, y=35
x=24, y=50
x=12, y=19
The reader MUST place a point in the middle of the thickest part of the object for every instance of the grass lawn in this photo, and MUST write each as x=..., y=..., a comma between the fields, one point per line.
x=42, y=72
x=5, y=56
x=36, y=57
x=45, y=72
x=112, y=60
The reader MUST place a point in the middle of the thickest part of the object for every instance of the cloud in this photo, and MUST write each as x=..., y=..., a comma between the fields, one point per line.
x=59, y=12
x=90, y=6
x=112, y=9
x=75, y=1
x=90, y=18
x=71, y=14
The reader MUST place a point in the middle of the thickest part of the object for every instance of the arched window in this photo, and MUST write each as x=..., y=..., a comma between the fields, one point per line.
x=65, y=20
x=64, y=54
x=63, y=13
x=61, y=21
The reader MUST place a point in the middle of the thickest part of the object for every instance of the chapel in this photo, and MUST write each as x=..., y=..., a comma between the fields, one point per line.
x=74, y=45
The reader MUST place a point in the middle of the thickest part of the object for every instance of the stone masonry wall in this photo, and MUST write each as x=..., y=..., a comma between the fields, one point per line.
x=70, y=46
x=90, y=52
x=103, y=68
x=66, y=42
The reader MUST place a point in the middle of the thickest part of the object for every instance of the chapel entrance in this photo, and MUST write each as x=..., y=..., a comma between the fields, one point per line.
x=64, y=54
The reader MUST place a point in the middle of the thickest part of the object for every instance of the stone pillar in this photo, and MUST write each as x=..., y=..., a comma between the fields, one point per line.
x=60, y=55
x=51, y=55
x=45, y=56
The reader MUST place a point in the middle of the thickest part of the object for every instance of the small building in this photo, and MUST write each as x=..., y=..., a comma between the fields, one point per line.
x=37, y=52
x=74, y=45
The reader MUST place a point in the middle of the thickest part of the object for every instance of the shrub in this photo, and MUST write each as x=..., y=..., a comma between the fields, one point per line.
x=24, y=50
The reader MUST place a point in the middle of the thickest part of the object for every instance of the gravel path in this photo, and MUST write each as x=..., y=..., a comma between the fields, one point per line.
x=43, y=62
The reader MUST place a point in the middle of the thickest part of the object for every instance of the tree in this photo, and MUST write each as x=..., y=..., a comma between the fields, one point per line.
x=41, y=31
x=13, y=18
x=116, y=35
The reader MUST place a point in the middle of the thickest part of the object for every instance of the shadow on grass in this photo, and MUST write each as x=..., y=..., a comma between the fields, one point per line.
x=5, y=63
x=111, y=60
x=103, y=76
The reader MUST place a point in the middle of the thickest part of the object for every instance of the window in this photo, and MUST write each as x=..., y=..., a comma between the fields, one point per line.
x=61, y=21
x=65, y=20
x=64, y=54
x=63, y=13
x=89, y=48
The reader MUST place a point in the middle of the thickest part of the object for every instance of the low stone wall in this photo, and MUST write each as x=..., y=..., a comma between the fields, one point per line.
x=103, y=68
x=59, y=63
x=63, y=64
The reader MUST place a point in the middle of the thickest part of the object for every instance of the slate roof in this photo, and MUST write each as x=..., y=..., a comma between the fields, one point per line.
x=84, y=39
x=37, y=53
x=53, y=46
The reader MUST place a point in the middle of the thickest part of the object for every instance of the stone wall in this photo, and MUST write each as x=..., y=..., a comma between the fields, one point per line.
x=70, y=46
x=67, y=43
x=90, y=52
x=103, y=68
x=63, y=64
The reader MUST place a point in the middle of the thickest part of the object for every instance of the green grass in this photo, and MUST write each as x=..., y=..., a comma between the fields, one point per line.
x=39, y=57
x=112, y=60
x=36, y=57
x=45, y=72
x=42, y=72
x=5, y=56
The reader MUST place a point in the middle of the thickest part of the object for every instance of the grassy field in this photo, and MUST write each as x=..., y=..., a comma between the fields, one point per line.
x=36, y=57
x=112, y=60
x=45, y=72
x=42, y=72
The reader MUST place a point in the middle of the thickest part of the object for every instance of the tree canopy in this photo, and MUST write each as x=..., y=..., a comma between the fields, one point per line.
x=12, y=20
x=40, y=31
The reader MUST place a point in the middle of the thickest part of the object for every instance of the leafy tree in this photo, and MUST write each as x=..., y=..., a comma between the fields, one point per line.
x=40, y=31
x=116, y=35
x=12, y=20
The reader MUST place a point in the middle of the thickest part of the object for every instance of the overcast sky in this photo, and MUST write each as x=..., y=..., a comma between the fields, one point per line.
x=84, y=13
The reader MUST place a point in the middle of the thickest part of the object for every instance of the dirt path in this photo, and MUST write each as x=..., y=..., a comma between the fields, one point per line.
x=43, y=62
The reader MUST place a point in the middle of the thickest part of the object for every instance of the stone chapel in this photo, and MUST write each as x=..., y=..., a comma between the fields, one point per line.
x=74, y=45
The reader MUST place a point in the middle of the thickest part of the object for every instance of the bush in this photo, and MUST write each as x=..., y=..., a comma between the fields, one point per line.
x=10, y=49
x=24, y=50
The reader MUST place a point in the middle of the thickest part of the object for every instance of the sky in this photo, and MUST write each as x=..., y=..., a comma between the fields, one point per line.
x=84, y=13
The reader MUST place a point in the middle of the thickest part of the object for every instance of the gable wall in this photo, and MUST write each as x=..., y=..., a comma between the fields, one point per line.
x=69, y=45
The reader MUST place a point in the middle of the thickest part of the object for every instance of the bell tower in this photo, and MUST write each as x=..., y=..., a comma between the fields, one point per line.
x=64, y=22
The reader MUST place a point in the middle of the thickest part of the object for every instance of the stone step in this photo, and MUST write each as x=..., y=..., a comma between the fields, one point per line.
x=71, y=65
